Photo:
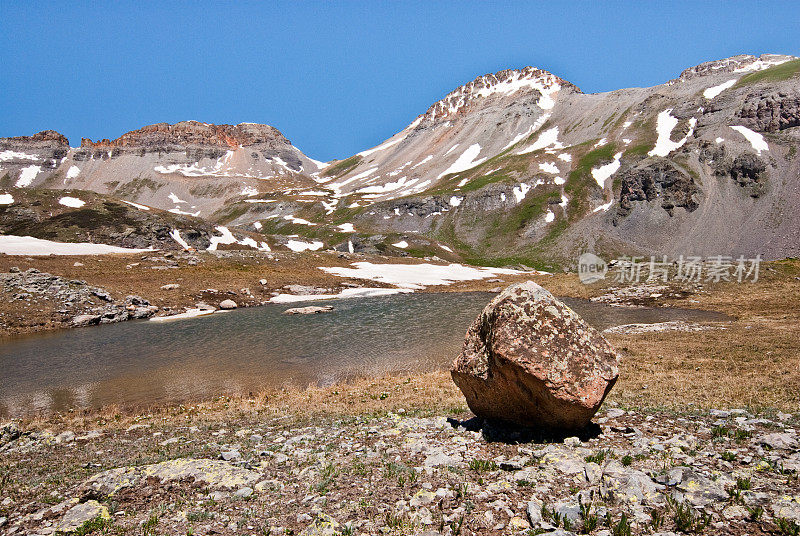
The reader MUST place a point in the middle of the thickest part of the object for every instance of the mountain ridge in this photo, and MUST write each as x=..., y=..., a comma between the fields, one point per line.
x=517, y=165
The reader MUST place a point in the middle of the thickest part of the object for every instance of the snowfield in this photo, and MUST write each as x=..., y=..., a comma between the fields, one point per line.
x=28, y=245
x=418, y=276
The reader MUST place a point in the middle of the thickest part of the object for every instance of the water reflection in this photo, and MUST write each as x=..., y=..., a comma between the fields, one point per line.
x=142, y=363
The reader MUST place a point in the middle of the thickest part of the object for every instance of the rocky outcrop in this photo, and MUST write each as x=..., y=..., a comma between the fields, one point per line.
x=729, y=65
x=86, y=305
x=194, y=133
x=45, y=138
x=771, y=112
x=657, y=180
x=530, y=360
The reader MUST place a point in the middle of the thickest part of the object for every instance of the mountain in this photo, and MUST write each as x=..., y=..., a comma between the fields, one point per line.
x=189, y=168
x=519, y=166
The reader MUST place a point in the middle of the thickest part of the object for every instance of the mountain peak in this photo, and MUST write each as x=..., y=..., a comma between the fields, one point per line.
x=194, y=133
x=502, y=83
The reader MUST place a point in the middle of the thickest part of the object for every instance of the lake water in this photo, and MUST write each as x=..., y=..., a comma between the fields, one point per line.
x=141, y=363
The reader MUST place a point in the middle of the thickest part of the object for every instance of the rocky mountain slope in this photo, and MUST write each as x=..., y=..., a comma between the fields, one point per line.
x=514, y=167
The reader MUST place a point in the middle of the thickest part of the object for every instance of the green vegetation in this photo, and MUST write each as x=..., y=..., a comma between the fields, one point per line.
x=340, y=168
x=580, y=182
x=781, y=72
x=480, y=466
x=91, y=526
x=639, y=150
x=134, y=187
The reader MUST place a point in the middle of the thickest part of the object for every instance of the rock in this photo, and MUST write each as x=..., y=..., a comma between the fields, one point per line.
x=629, y=486
x=216, y=473
x=323, y=525
x=227, y=305
x=9, y=431
x=229, y=455
x=86, y=320
x=243, y=493
x=80, y=514
x=310, y=310
x=779, y=441
x=534, y=511
x=65, y=437
x=788, y=508
x=530, y=360
x=170, y=286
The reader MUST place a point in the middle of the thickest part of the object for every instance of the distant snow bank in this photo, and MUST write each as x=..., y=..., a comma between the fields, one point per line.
x=418, y=276
x=28, y=245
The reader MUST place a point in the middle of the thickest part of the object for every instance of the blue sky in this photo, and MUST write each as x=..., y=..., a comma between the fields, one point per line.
x=339, y=77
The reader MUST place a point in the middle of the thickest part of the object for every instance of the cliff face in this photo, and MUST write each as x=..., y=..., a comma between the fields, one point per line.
x=194, y=133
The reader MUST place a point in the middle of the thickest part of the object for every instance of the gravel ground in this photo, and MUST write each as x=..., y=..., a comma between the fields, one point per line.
x=723, y=472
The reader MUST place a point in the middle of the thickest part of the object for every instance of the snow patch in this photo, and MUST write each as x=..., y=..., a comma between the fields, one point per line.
x=73, y=172
x=455, y=201
x=549, y=217
x=521, y=191
x=300, y=221
x=548, y=138
x=175, y=199
x=712, y=92
x=249, y=191
x=533, y=128
x=465, y=161
x=27, y=175
x=604, y=207
x=402, y=244
x=12, y=155
x=6, y=199
x=137, y=205
x=565, y=157
x=602, y=173
x=559, y=181
x=756, y=140
x=346, y=228
x=426, y=159
x=344, y=294
x=600, y=143
x=664, y=126
x=258, y=225
x=549, y=167
x=451, y=149
x=72, y=202
x=417, y=276
x=298, y=246
x=176, y=236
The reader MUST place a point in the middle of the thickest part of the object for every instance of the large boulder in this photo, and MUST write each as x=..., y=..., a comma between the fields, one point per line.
x=530, y=360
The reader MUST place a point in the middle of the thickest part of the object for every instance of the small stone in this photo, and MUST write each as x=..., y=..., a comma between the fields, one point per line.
x=86, y=320
x=227, y=305
x=78, y=264
x=243, y=493
x=170, y=286
x=65, y=437
x=229, y=455
x=310, y=310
